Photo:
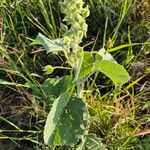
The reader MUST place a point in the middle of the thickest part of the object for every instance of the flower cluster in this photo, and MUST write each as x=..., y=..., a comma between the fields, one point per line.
x=75, y=15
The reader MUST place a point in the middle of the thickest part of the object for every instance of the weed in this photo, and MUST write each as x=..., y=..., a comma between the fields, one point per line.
x=32, y=82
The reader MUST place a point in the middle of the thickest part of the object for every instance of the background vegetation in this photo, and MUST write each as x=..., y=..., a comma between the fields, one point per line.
x=120, y=117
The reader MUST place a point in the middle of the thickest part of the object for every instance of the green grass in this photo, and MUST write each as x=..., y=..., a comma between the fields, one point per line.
x=117, y=115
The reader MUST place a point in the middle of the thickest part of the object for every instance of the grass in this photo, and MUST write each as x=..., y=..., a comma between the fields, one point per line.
x=119, y=117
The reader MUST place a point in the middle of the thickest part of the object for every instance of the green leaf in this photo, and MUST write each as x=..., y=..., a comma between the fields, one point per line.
x=3, y=82
x=49, y=45
x=52, y=88
x=54, y=117
x=124, y=46
x=87, y=65
x=73, y=123
x=114, y=71
x=94, y=143
x=55, y=86
x=67, y=121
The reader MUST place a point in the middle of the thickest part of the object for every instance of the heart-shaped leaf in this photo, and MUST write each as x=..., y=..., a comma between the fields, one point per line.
x=87, y=65
x=49, y=45
x=73, y=123
x=114, y=71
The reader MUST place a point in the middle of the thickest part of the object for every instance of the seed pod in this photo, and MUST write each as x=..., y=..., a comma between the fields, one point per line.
x=48, y=69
